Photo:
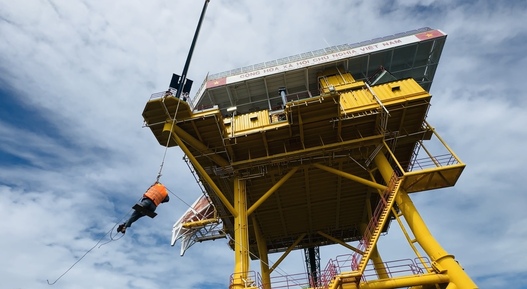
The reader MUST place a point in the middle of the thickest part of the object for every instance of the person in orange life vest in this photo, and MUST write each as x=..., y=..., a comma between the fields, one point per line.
x=154, y=196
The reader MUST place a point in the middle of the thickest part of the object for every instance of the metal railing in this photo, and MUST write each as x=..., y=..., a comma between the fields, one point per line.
x=341, y=264
x=162, y=94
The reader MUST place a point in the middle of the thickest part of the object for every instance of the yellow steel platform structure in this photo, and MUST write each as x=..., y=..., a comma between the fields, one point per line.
x=317, y=149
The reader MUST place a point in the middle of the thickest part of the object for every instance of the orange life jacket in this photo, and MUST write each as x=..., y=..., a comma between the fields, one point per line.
x=157, y=193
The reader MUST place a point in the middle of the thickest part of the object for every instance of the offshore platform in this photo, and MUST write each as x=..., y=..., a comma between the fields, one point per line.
x=320, y=148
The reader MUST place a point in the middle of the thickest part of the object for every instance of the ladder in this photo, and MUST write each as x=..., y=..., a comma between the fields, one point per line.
x=374, y=228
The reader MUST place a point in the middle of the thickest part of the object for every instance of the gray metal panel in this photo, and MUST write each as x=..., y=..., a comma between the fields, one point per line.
x=416, y=60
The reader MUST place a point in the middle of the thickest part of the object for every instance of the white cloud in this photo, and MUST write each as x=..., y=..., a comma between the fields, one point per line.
x=88, y=68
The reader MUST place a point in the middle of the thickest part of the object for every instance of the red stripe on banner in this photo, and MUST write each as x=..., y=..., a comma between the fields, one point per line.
x=429, y=34
x=216, y=82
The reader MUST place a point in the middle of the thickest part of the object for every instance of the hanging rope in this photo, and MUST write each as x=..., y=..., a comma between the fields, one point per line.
x=87, y=252
x=168, y=142
x=112, y=237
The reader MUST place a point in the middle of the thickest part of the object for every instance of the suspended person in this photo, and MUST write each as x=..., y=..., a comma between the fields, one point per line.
x=154, y=196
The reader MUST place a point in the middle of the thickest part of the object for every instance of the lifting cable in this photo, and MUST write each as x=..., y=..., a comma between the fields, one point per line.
x=193, y=210
x=183, y=79
x=178, y=93
x=168, y=142
x=99, y=241
x=113, y=238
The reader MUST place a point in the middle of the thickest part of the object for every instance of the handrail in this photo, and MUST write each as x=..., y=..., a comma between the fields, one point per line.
x=375, y=221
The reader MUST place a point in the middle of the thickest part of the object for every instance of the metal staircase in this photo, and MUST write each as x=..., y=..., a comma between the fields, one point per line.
x=374, y=228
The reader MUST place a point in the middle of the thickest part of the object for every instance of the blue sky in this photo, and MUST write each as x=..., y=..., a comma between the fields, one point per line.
x=74, y=78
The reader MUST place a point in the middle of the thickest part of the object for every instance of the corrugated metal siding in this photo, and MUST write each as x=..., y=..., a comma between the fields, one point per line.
x=251, y=120
x=357, y=100
x=401, y=89
x=352, y=102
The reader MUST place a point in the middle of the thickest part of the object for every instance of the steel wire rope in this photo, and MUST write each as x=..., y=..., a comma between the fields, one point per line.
x=198, y=180
x=87, y=252
x=184, y=202
x=193, y=210
x=168, y=141
x=283, y=273
x=112, y=238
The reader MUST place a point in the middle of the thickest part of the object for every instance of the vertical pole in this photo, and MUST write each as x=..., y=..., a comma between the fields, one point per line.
x=375, y=257
x=189, y=56
x=262, y=251
x=378, y=264
x=241, y=235
x=441, y=260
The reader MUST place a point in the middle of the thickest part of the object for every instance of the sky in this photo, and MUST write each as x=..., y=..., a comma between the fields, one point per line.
x=74, y=155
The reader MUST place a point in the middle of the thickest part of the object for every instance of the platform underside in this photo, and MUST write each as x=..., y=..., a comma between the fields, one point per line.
x=316, y=131
x=260, y=140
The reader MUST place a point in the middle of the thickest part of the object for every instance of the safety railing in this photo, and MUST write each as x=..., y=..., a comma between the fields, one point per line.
x=250, y=279
x=341, y=264
x=331, y=270
x=395, y=268
x=435, y=154
x=162, y=94
x=300, y=280
x=373, y=228
x=433, y=162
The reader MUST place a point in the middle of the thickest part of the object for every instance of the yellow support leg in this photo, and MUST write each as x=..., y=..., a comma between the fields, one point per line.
x=378, y=264
x=199, y=168
x=441, y=260
x=262, y=251
x=241, y=236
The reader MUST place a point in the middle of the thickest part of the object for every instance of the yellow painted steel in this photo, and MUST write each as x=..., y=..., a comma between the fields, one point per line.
x=321, y=132
x=357, y=100
x=411, y=241
x=390, y=194
x=378, y=264
x=262, y=251
x=442, y=261
x=271, y=191
x=405, y=89
x=248, y=121
x=241, y=237
x=444, y=143
x=333, y=79
x=287, y=251
x=340, y=242
x=347, y=281
x=351, y=177
x=313, y=150
x=168, y=127
x=200, y=223
x=354, y=97
x=199, y=168
x=406, y=281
